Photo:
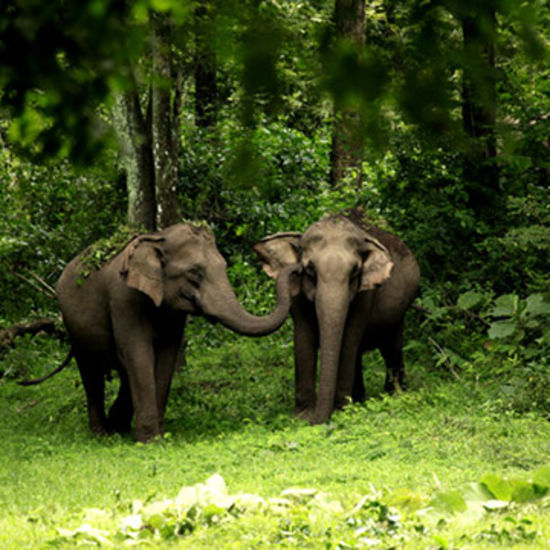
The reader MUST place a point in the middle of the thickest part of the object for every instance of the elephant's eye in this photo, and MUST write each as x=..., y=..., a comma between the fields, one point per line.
x=355, y=271
x=195, y=274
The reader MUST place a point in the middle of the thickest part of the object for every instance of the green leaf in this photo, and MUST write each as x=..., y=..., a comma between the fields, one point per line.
x=476, y=493
x=536, y=304
x=541, y=478
x=523, y=491
x=502, y=329
x=499, y=487
x=469, y=299
x=405, y=498
x=450, y=502
x=505, y=306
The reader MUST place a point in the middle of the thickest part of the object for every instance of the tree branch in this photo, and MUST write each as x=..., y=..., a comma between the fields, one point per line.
x=7, y=336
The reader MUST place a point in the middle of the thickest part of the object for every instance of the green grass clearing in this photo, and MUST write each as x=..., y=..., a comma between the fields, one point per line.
x=414, y=461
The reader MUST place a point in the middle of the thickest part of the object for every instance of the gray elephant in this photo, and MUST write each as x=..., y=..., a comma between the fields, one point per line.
x=129, y=315
x=356, y=285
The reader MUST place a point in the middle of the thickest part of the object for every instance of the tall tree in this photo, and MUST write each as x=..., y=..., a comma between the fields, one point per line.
x=134, y=129
x=206, y=90
x=164, y=121
x=146, y=117
x=347, y=144
x=479, y=109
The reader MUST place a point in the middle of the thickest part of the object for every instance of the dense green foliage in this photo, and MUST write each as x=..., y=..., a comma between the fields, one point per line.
x=472, y=428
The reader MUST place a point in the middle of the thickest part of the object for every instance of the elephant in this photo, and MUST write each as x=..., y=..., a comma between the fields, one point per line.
x=129, y=315
x=356, y=283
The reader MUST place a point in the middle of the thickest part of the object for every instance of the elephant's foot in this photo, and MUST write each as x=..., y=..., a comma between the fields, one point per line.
x=119, y=426
x=98, y=429
x=311, y=416
x=305, y=414
x=395, y=383
x=97, y=422
x=120, y=419
x=148, y=431
x=341, y=400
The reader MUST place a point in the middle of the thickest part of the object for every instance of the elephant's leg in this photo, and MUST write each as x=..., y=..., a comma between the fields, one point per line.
x=122, y=410
x=392, y=352
x=358, y=393
x=92, y=374
x=166, y=356
x=349, y=368
x=134, y=341
x=306, y=344
x=139, y=362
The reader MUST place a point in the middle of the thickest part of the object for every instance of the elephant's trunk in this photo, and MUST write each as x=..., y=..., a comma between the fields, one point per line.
x=332, y=308
x=225, y=307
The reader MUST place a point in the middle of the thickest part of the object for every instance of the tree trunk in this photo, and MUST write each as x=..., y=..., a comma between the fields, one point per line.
x=134, y=134
x=347, y=144
x=479, y=100
x=206, y=90
x=163, y=125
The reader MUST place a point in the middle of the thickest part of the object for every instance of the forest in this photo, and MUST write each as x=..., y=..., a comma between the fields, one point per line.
x=400, y=148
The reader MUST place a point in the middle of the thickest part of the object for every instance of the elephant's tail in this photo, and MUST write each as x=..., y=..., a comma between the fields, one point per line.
x=67, y=360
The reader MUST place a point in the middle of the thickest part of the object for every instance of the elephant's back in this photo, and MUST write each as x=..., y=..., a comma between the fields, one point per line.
x=83, y=301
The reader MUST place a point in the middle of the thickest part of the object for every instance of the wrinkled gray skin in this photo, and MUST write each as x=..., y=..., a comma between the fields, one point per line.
x=130, y=316
x=352, y=295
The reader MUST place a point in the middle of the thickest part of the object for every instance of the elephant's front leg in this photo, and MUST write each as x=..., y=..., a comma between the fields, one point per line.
x=139, y=362
x=167, y=348
x=306, y=344
x=347, y=388
x=134, y=341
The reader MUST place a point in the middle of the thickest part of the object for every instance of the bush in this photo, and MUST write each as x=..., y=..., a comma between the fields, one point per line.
x=502, y=341
x=49, y=213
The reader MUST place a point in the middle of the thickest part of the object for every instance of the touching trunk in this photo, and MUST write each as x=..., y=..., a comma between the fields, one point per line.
x=332, y=310
x=225, y=307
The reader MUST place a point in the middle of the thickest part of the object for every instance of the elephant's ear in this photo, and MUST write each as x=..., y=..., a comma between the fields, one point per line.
x=142, y=267
x=377, y=265
x=278, y=251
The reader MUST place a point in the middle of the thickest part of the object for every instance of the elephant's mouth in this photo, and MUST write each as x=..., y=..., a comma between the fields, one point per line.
x=190, y=299
x=210, y=318
x=197, y=309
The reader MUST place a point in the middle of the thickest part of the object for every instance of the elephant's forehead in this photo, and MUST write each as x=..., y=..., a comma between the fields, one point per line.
x=333, y=231
x=185, y=236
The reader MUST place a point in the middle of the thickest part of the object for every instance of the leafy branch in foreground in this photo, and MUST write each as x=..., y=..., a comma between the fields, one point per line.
x=302, y=515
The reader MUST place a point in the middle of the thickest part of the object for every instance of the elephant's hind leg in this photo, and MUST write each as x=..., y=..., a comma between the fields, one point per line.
x=92, y=374
x=391, y=349
x=122, y=410
x=358, y=393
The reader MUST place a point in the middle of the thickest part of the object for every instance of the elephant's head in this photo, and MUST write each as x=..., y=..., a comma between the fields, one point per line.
x=181, y=268
x=338, y=259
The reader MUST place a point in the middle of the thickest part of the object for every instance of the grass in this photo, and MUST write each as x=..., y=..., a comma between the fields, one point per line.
x=230, y=413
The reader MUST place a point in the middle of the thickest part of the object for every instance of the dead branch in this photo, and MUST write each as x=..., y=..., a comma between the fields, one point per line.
x=445, y=358
x=43, y=287
x=7, y=336
x=50, y=290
